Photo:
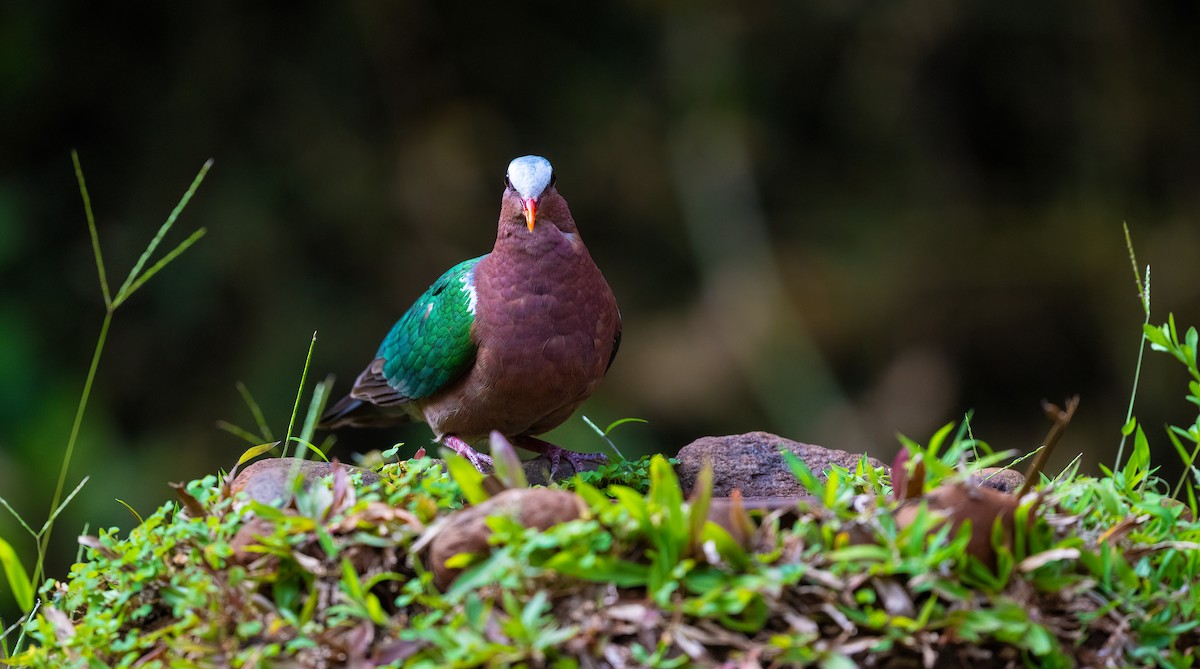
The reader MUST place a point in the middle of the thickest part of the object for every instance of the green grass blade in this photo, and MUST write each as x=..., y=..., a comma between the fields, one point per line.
x=299, y=394
x=604, y=435
x=621, y=421
x=1144, y=296
x=58, y=509
x=91, y=223
x=131, y=510
x=239, y=432
x=312, y=447
x=4, y=503
x=122, y=293
x=175, y=252
x=18, y=579
x=315, y=407
x=71, y=440
x=256, y=411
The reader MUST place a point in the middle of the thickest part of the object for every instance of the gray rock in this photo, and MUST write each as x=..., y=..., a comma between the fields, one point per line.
x=1004, y=480
x=269, y=479
x=751, y=463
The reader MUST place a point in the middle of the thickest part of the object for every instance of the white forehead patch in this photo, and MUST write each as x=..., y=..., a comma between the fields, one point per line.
x=530, y=175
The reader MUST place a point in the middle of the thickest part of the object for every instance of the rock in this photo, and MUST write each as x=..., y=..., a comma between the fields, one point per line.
x=466, y=530
x=270, y=479
x=751, y=463
x=1004, y=480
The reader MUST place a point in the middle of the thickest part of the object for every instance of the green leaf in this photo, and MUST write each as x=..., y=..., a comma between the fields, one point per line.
x=1158, y=336
x=1127, y=428
x=131, y=510
x=469, y=479
x=255, y=411
x=310, y=446
x=507, y=464
x=860, y=553
x=802, y=473
x=1139, y=460
x=255, y=451
x=935, y=442
x=622, y=421
x=18, y=579
x=727, y=547
x=698, y=505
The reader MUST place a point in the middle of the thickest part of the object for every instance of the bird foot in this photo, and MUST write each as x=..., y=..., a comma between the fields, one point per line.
x=479, y=460
x=556, y=454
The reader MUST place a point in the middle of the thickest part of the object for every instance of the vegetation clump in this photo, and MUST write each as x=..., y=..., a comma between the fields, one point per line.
x=1098, y=572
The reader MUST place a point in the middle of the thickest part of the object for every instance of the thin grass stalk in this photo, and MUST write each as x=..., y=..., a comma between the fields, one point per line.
x=91, y=223
x=1144, y=295
x=299, y=394
x=44, y=539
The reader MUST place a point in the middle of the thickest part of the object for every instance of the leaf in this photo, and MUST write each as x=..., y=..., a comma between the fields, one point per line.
x=312, y=447
x=1157, y=336
x=935, y=442
x=469, y=479
x=622, y=421
x=802, y=473
x=860, y=553
x=131, y=510
x=1127, y=428
x=91, y=223
x=255, y=411
x=508, y=466
x=698, y=504
x=239, y=432
x=255, y=451
x=173, y=254
x=18, y=579
x=1139, y=460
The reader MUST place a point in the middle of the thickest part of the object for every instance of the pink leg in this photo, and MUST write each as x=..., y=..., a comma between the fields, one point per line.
x=556, y=454
x=464, y=449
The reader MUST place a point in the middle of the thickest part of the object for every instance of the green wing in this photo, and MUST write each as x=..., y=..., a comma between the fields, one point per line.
x=431, y=345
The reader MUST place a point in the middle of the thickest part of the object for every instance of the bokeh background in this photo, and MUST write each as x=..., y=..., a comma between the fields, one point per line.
x=837, y=221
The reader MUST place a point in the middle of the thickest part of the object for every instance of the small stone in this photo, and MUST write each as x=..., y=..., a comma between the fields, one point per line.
x=1005, y=480
x=270, y=479
x=751, y=463
x=466, y=530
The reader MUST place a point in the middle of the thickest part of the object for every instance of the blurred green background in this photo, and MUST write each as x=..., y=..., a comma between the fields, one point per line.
x=831, y=220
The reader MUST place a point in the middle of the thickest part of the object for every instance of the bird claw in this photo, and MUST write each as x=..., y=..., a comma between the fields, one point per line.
x=556, y=454
x=477, y=459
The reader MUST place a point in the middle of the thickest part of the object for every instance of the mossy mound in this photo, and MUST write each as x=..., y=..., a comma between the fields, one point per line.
x=1099, y=572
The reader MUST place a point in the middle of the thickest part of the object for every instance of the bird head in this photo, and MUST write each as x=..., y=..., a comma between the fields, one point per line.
x=530, y=177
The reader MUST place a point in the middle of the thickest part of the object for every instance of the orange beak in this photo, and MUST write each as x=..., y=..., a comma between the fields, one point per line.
x=530, y=212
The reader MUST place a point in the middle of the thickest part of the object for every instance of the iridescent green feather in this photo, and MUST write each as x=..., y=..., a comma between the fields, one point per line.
x=431, y=344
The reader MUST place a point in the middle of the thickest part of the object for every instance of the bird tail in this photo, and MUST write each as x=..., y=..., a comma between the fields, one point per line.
x=352, y=412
